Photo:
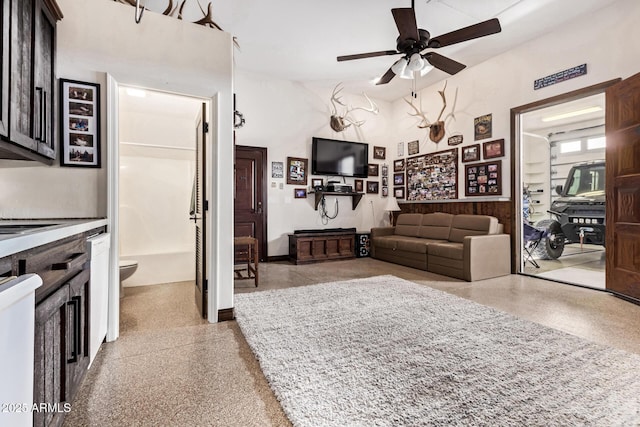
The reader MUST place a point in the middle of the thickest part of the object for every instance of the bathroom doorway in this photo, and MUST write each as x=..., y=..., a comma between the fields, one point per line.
x=157, y=171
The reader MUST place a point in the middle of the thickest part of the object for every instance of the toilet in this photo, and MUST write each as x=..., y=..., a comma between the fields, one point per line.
x=127, y=268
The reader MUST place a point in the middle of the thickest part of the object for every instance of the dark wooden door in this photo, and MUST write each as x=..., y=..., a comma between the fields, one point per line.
x=623, y=187
x=5, y=29
x=250, y=209
x=199, y=213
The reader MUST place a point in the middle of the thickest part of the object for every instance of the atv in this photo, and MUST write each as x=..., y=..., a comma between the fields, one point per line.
x=578, y=215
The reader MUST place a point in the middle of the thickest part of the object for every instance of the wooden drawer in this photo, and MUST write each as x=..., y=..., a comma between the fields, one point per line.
x=55, y=263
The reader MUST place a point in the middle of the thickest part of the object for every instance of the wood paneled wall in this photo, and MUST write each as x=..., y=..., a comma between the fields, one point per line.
x=502, y=210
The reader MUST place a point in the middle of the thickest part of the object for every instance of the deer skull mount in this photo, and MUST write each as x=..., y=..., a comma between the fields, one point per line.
x=436, y=129
x=341, y=122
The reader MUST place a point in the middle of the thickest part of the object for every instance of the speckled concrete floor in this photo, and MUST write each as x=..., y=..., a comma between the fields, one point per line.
x=171, y=368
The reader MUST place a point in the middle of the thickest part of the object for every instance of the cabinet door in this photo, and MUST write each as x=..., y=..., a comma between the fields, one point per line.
x=50, y=359
x=44, y=111
x=4, y=70
x=22, y=88
x=78, y=332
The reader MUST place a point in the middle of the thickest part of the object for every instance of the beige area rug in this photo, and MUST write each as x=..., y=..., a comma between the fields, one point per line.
x=383, y=351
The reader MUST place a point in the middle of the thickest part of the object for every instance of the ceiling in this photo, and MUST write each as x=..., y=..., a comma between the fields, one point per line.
x=532, y=122
x=300, y=41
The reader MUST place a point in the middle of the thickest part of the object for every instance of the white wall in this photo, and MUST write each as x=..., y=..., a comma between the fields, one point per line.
x=164, y=54
x=283, y=116
x=605, y=42
x=157, y=167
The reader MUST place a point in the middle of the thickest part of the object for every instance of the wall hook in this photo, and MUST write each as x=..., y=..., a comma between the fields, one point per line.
x=139, y=12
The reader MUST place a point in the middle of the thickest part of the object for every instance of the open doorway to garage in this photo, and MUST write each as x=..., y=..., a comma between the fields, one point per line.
x=563, y=191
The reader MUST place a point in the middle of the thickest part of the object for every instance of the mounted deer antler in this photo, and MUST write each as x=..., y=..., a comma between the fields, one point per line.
x=436, y=129
x=340, y=122
x=424, y=123
x=206, y=20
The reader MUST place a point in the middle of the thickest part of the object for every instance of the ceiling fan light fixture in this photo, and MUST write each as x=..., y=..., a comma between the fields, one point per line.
x=427, y=67
x=416, y=62
x=399, y=66
x=406, y=74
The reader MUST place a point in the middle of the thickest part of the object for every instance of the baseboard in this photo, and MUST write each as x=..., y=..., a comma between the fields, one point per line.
x=278, y=258
x=226, y=314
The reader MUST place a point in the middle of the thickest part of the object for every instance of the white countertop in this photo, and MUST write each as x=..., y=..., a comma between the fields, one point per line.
x=60, y=228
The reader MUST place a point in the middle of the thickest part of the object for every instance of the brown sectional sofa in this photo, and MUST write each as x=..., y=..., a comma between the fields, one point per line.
x=468, y=247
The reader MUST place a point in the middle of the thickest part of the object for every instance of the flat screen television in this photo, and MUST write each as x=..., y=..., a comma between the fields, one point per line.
x=339, y=158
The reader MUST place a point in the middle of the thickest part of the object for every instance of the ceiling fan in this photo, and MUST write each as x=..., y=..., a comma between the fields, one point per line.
x=412, y=41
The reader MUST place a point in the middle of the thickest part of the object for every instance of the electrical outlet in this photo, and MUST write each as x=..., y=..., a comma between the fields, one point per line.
x=281, y=186
x=274, y=185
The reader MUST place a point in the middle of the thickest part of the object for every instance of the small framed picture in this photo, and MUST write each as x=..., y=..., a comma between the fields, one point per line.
x=373, y=169
x=482, y=127
x=413, y=147
x=372, y=187
x=79, y=124
x=398, y=165
x=296, y=171
x=471, y=153
x=379, y=153
x=398, y=192
x=385, y=181
x=300, y=193
x=358, y=185
x=385, y=170
x=316, y=182
x=400, y=151
x=493, y=149
x=385, y=191
x=398, y=178
x=277, y=170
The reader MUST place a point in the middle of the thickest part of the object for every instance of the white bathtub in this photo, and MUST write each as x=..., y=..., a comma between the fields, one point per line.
x=158, y=268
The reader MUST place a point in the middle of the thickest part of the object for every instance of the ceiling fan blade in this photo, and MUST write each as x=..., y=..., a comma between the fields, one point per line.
x=443, y=63
x=492, y=26
x=406, y=22
x=367, y=55
x=386, y=78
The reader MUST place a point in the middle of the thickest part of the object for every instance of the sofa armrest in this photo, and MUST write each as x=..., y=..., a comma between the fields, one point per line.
x=382, y=231
x=486, y=256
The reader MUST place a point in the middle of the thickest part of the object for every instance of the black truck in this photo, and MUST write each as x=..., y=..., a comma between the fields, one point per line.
x=578, y=215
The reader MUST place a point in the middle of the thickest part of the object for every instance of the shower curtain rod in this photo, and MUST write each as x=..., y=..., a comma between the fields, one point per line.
x=140, y=144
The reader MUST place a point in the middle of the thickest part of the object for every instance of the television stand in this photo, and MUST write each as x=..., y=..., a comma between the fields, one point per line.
x=317, y=246
x=355, y=197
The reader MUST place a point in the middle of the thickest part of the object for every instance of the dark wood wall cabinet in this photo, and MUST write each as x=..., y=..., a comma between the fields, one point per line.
x=62, y=319
x=28, y=81
x=305, y=248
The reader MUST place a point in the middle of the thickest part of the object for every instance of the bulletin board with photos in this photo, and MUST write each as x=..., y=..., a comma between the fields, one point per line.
x=432, y=176
x=483, y=179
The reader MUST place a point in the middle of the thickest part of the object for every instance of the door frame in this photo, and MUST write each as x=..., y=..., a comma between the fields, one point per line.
x=263, y=249
x=516, y=157
x=113, y=194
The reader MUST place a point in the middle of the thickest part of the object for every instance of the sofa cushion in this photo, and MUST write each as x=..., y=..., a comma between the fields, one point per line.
x=435, y=226
x=389, y=242
x=447, y=250
x=404, y=243
x=472, y=225
x=408, y=225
